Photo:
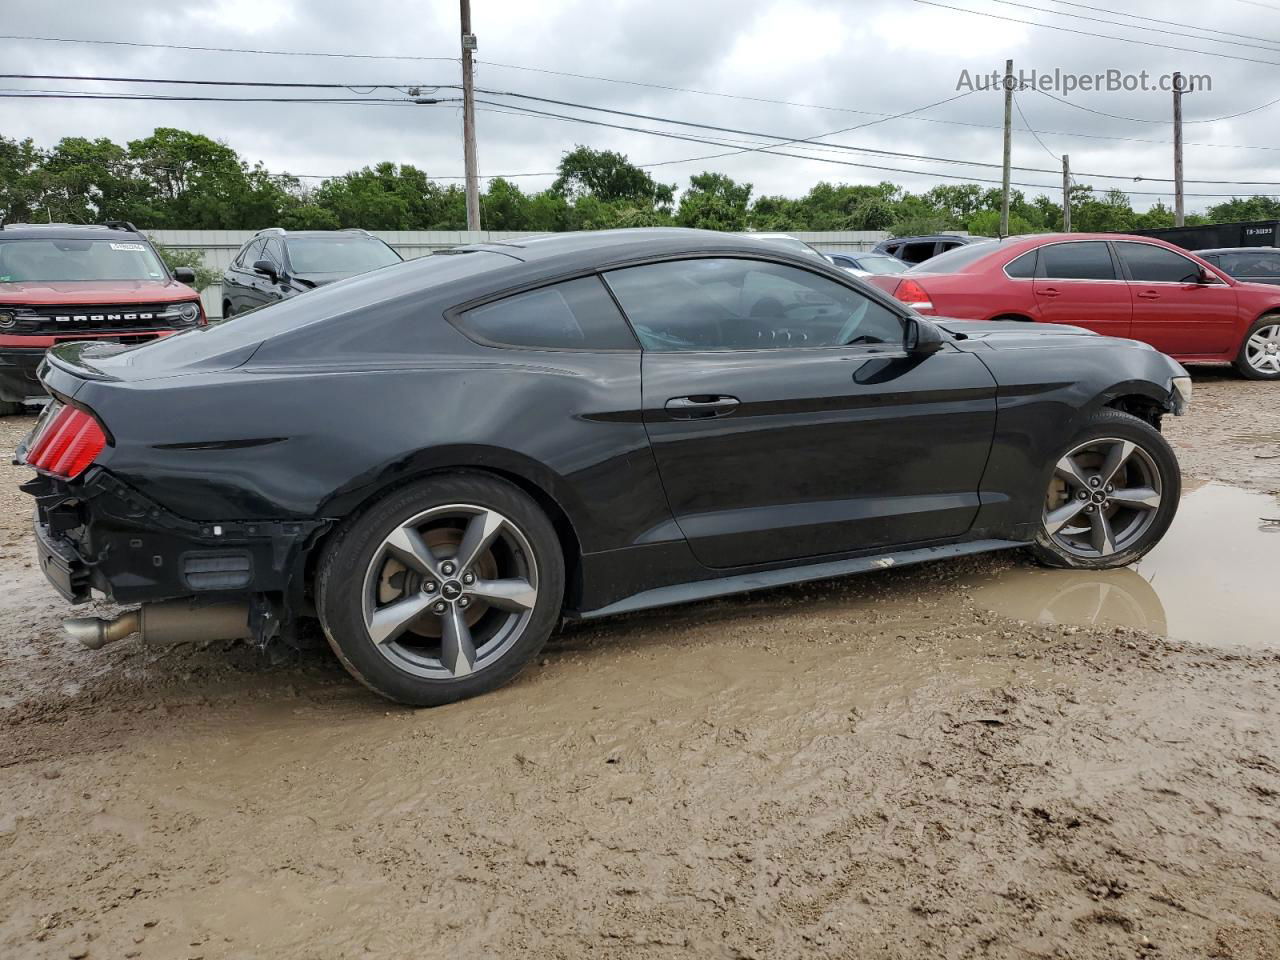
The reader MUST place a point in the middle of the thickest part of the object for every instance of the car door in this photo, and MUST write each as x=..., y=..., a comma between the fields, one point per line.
x=1172, y=310
x=248, y=294
x=1078, y=282
x=787, y=420
x=235, y=281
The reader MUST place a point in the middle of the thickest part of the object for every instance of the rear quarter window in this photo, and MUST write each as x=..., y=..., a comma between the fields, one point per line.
x=573, y=315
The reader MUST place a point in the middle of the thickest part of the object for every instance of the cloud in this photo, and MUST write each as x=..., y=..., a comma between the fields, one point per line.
x=798, y=69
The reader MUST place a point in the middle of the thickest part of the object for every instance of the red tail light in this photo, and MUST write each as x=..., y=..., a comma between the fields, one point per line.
x=66, y=442
x=913, y=295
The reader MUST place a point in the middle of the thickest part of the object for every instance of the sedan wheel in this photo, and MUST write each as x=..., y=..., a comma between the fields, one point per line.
x=450, y=591
x=443, y=590
x=1111, y=496
x=1262, y=350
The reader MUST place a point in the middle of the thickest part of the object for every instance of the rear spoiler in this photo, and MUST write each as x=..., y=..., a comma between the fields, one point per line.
x=76, y=358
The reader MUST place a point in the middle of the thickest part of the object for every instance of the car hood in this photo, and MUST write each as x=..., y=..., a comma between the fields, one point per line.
x=37, y=293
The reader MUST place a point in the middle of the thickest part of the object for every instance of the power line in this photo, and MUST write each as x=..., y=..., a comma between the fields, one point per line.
x=1100, y=36
x=1027, y=124
x=1115, y=116
x=638, y=83
x=811, y=142
x=1172, y=23
x=266, y=53
x=353, y=87
x=1130, y=26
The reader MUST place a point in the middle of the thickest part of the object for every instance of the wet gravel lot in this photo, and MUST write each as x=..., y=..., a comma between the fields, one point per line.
x=965, y=759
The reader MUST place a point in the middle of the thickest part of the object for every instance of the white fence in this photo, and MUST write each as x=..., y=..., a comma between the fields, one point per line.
x=218, y=247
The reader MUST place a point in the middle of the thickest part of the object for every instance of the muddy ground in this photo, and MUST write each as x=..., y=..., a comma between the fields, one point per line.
x=878, y=767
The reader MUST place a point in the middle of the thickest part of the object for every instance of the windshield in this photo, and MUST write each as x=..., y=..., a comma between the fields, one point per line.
x=881, y=265
x=339, y=254
x=54, y=261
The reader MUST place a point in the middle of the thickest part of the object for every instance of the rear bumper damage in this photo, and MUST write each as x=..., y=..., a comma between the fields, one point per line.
x=97, y=535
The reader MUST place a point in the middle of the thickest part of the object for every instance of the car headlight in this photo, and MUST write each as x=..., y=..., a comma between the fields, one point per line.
x=187, y=312
x=1182, y=389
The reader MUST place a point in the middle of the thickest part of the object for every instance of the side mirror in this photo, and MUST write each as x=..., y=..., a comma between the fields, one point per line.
x=266, y=268
x=923, y=338
x=184, y=274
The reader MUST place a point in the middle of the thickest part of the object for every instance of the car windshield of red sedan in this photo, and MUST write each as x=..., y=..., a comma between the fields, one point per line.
x=957, y=259
x=58, y=261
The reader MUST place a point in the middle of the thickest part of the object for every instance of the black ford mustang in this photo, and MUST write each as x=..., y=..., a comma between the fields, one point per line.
x=443, y=458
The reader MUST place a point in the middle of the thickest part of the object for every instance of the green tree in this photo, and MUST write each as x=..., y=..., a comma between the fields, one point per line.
x=1239, y=209
x=714, y=202
x=610, y=177
x=174, y=258
x=21, y=179
x=391, y=197
x=200, y=184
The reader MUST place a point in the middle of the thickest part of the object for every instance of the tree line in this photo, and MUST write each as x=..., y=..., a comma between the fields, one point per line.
x=177, y=179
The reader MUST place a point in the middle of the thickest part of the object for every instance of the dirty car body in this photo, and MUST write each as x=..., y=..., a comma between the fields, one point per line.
x=670, y=469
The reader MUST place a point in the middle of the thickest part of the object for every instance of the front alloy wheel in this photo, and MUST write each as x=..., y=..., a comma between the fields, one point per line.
x=1104, y=496
x=1111, y=496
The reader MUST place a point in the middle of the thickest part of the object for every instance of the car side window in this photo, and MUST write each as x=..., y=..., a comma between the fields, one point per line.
x=273, y=251
x=1023, y=267
x=1081, y=260
x=1249, y=264
x=252, y=253
x=918, y=252
x=573, y=315
x=1148, y=263
x=742, y=304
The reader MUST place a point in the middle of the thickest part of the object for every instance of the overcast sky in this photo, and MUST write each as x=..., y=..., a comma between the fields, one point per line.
x=826, y=58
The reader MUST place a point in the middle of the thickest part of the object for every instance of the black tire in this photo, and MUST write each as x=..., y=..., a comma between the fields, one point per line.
x=1242, y=364
x=11, y=408
x=1158, y=467
x=355, y=562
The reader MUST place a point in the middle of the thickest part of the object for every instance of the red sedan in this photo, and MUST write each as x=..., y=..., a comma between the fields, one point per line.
x=1121, y=286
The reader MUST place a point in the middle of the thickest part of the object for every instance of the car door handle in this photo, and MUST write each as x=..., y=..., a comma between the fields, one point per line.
x=1049, y=292
x=1148, y=295
x=701, y=407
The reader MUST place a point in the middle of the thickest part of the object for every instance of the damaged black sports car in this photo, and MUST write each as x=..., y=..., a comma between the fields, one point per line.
x=442, y=459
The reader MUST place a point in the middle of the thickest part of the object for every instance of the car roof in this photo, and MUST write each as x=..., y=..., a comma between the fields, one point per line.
x=601, y=246
x=64, y=231
x=1216, y=250
x=963, y=238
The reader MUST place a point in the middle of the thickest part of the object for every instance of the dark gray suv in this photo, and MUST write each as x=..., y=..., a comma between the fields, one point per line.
x=919, y=249
x=276, y=264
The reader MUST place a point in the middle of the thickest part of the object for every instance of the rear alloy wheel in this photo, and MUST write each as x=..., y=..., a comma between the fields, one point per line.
x=1260, y=354
x=1111, y=497
x=443, y=591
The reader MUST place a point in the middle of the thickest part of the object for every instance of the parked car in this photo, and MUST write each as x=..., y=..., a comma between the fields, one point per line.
x=785, y=240
x=1122, y=286
x=914, y=250
x=865, y=264
x=443, y=459
x=276, y=264
x=61, y=282
x=1250, y=264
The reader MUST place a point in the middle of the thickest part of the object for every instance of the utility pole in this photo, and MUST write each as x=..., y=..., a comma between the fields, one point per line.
x=1179, y=218
x=1066, y=194
x=1008, y=147
x=469, y=120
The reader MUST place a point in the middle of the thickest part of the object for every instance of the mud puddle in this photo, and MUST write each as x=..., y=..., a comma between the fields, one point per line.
x=1213, y=580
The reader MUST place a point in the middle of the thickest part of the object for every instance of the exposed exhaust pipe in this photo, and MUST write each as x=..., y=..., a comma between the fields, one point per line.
x=173, y=621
